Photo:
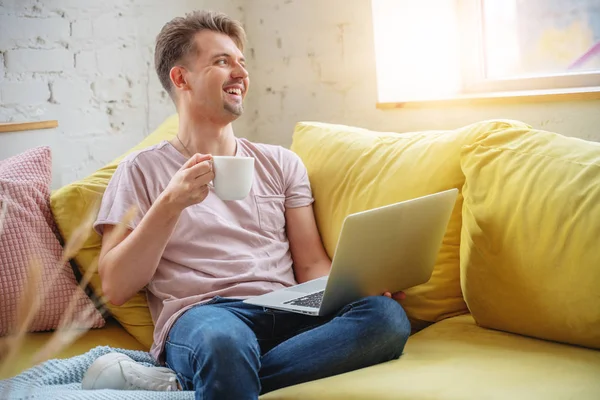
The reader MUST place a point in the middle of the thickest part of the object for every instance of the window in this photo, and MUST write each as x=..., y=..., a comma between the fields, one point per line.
x=436, y=49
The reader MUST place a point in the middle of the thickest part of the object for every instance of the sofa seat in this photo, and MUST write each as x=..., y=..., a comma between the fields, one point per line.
x=456, y=359
x=452, y=359
x=112, y=334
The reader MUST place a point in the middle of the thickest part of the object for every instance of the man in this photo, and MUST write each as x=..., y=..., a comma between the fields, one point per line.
x=199, y=256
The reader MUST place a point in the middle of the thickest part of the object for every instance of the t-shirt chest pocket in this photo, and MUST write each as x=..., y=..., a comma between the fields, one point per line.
x=271, y=212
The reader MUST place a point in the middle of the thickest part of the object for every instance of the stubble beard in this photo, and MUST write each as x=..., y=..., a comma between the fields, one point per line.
x=235, y=109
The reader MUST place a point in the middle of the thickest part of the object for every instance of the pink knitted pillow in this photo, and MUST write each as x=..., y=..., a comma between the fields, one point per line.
x=29, y=231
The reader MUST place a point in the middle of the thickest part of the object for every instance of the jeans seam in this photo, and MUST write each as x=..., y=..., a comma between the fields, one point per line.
x=344, y=310
x=182, y=379
x=283, y=338
x=273, y=329
x=189, y=349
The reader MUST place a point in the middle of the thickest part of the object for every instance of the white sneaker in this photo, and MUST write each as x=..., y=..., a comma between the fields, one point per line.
x=118, y=371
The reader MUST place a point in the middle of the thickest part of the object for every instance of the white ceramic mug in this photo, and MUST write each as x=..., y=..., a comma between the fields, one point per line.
x=233, y=176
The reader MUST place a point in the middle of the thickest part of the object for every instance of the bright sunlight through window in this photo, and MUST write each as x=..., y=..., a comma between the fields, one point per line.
x=444, y=49
x=416, y=49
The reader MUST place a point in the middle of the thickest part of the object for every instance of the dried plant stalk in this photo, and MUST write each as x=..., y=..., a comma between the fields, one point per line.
x=3, y=213
x=85, y=280
x=32, y=297
x=122, y=226
x=3, y=347
x=66, y=334
x=4, y=342
x=30, y=300
x=78, y=238
x=27, y=308
x=72, y=247
x=71, y=329
x=93, y=268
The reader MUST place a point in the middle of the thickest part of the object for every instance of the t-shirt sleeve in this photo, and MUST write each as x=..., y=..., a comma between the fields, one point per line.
x=297, y=185
x=127, y=188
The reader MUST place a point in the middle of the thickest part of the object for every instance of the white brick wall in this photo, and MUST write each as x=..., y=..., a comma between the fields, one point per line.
x=81, y=29
x=36, y=60
x=25, y=92
x=2, y=73
x=72, y=92
x=112, y=27
x=33, y=32
x=88, y=64
x=110, y=89
x=85, y=62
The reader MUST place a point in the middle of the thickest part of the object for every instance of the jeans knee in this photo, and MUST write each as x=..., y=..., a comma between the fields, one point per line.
x=226, y=344
x=388, y=319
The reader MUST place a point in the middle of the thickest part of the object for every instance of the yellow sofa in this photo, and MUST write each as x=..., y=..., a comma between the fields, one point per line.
x=512, y=309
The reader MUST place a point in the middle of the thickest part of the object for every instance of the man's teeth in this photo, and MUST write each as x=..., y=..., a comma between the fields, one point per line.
x=234, y=91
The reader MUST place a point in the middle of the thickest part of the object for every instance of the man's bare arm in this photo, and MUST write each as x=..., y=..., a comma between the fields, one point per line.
x=310, y=258
x=128, y=263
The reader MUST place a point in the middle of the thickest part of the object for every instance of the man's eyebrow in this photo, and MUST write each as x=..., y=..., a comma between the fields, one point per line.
x=222, y=55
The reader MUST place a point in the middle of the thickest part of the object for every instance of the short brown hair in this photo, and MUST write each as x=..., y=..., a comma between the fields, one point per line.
x=176, y=40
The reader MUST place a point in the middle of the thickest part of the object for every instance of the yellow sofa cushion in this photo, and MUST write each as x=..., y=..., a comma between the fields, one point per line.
x=530, y=250
x=72, y=203
x=455, y=359
x=112, y=334
x=353, y=169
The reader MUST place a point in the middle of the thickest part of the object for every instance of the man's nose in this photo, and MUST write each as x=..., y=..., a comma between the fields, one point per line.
x=239, y=72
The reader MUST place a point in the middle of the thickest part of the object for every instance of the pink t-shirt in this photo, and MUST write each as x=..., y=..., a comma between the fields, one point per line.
x=229, y=249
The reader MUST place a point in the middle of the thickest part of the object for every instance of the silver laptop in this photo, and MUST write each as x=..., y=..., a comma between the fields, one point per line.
x=386, y=249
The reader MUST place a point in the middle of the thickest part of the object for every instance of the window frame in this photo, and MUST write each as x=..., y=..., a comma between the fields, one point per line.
x=473, y=71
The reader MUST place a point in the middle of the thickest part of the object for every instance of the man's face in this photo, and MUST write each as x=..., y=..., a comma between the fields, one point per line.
x=217, y=77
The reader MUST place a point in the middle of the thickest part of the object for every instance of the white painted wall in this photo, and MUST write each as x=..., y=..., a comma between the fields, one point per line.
x=88, y=64
x=314, y=60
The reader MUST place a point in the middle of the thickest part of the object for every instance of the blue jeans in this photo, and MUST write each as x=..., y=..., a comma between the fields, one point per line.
x=226, y=349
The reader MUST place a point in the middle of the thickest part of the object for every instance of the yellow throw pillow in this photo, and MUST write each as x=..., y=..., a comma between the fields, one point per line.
x=530, y=249
x=70, y=206
x=353, y=169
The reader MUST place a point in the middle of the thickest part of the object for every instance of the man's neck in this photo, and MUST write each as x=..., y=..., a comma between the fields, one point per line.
x=205, y=137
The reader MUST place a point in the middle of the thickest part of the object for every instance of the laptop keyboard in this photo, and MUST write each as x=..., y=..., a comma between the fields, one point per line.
x=312, y=300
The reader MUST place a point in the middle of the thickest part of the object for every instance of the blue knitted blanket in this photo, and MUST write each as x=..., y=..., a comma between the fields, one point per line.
x=61, y=379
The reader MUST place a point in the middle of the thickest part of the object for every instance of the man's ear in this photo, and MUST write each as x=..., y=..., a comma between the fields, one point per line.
x=178, y=77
